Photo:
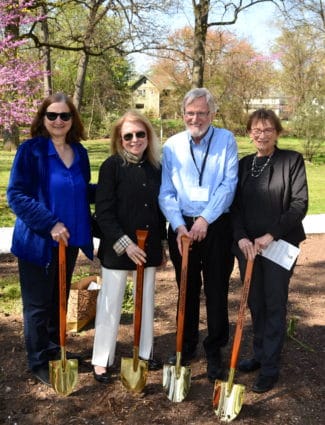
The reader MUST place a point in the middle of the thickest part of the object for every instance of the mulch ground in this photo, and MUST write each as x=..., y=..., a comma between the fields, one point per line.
x=297, y=399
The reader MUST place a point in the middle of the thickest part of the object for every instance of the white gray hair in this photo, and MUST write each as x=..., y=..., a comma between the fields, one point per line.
x=199, y=92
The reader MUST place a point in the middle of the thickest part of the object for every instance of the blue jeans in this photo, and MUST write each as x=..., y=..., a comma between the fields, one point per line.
x=40, y=296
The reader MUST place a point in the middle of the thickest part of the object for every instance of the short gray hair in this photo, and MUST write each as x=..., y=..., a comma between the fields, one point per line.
x=199, y=92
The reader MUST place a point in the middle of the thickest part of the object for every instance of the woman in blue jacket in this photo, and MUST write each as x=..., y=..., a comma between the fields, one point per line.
x=49, y=191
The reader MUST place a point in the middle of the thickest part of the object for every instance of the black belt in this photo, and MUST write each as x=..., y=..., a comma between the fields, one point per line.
x=190, y=219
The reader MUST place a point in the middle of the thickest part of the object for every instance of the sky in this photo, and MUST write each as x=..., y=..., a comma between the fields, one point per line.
x=256, y=24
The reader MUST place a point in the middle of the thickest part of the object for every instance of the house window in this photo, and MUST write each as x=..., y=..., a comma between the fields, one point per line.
x=139, y=105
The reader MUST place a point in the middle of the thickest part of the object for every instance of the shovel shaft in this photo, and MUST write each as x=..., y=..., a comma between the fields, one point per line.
x=62, y=292
x=186, y=242
x=241, y=314
x=141, y=239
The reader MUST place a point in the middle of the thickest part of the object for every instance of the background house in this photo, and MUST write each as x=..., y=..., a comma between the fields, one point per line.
x=150, y=93
x=277, y=103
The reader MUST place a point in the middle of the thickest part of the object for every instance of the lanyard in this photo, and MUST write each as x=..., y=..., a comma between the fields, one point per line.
x=204, y=159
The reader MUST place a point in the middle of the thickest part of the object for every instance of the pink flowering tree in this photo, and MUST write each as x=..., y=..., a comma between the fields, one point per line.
x=20, y=75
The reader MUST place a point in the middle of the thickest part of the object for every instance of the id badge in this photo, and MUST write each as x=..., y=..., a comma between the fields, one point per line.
x=199, y=194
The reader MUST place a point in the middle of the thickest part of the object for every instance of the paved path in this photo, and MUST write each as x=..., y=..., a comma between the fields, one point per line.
x=312, y=224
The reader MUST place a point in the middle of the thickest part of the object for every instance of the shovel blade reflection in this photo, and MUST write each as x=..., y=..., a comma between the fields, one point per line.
x=134, y=374
x=227, y=405
x=63, y=375
x=176, y=382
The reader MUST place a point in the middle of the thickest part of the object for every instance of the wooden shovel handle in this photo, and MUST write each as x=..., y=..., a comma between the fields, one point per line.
x=241, y=314
x=141, y=240
x=62, y=291
x=186, y=242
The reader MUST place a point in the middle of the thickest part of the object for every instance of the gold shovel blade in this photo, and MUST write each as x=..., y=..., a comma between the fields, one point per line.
x=176, y=382
x=134, y=373
x=63, y=375
x=227, y=405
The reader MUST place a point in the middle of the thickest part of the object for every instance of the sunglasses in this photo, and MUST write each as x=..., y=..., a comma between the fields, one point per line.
x=129, y=136
x=64, y=116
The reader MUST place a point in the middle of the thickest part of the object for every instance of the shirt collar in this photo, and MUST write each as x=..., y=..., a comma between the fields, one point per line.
x=52, y=151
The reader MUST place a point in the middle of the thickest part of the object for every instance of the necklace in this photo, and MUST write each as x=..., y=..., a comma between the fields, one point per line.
x=257, y=170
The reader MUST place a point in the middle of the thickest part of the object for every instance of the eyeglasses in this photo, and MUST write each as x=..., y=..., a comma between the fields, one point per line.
x=258, y=132
x=191, y=114
x=64, y=116
x=129, y=136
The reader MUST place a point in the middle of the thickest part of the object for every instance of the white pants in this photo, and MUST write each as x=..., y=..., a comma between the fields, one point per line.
x=108, y=314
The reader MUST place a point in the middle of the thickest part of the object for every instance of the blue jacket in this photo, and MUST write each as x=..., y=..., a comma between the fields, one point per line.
x=27, y=195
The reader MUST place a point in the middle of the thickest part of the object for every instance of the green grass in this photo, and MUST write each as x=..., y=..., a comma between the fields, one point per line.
x=315, y=170
x=10, y=300
x=99, y=150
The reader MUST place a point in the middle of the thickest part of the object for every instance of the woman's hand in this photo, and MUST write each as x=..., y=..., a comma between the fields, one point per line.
x=263, y=242
x=59, y=231
x=136, y=254
x=247, y=248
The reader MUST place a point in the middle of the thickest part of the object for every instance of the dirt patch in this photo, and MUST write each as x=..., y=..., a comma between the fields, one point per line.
x=298, y=397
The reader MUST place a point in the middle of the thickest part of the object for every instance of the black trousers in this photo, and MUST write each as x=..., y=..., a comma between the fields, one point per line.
x=40, y=296
x=210, y=262
x=267, y=302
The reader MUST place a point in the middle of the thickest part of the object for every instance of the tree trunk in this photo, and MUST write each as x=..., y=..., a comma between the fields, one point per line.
x=201, y=14
x=46, y=54
x=11, y=138
x=80, y=81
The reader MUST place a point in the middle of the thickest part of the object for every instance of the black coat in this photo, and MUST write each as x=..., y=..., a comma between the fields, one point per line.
x=286, y=192
x=127, y=200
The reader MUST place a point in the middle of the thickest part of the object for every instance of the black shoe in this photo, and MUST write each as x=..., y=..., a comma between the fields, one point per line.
x=264, y=383
x=214, y=369
x=154, y=364
x=248, y=365
x=42, y=374
x=186, y=357
x=101, y=377
x=75, y=356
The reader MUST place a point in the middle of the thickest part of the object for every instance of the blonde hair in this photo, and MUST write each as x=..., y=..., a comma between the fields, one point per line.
x=153, y=149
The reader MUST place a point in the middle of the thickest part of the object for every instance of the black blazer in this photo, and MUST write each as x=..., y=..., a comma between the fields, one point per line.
x=286, y=191
x=127, y=200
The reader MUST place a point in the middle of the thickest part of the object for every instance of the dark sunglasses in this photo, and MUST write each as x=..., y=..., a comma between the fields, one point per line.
x=64, y=116
x=129, y=136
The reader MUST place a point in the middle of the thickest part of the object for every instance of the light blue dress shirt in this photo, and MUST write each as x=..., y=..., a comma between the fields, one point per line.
x=180, y=174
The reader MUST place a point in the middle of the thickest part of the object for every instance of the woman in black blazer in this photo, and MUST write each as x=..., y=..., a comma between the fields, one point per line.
x=270, y=204
x=127, y=200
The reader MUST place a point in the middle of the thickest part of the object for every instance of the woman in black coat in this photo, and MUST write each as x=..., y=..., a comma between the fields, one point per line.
x=127, y=200
x=270, y=204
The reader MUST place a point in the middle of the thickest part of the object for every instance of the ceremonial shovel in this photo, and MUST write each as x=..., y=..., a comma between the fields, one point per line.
x=228, y=397
x=177, y=378
x=63, y=373
x=134, y=370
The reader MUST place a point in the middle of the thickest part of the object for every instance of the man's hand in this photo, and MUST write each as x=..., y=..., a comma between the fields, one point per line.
x=199, y=229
